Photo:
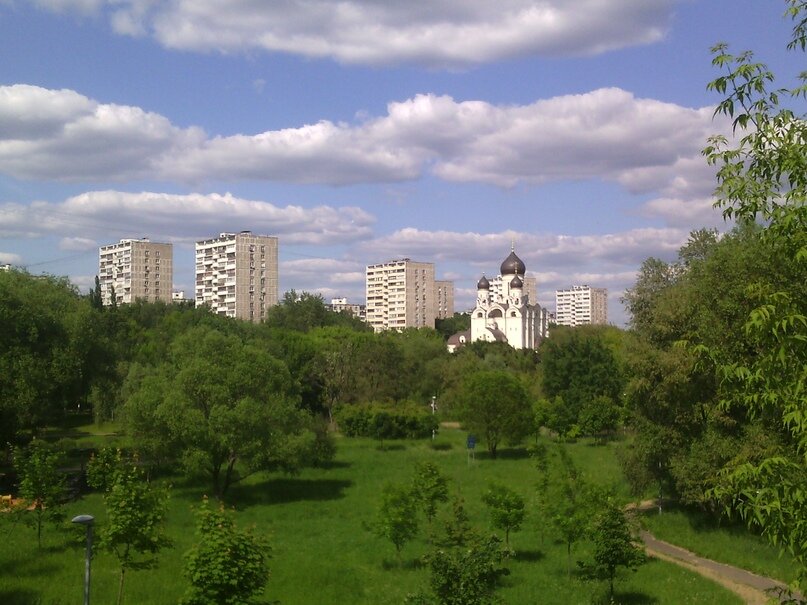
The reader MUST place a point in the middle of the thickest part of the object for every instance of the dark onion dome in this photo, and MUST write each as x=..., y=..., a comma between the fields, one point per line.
x=513, y=265
x=483, y=284
x=516, y=282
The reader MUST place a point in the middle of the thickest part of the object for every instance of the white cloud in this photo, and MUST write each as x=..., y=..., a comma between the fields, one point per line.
x=9, y=258
x=556, y=261
x=77, y=243
x=436, y=33
x=689, y=213
x=538, y=251
x=81, y=6
x=112, y=214
x=59, y=134
x=643, y=144
x=83, y=282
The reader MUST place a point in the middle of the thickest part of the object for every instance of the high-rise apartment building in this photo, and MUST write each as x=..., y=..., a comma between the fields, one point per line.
x=400, y=294
x=341, y=305
x=498, y=287
x=443, y=299
x=580, y=305
x=236, y=275
x=136, y=269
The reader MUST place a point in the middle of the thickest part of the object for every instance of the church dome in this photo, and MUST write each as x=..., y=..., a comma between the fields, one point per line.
x=483, y=284
x=516, y=282
x=513, y=265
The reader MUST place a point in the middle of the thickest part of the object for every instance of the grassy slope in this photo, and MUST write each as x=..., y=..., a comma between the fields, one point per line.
x=321, y=551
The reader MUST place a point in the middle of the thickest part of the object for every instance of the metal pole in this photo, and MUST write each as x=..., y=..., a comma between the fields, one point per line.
x=86, y=520
x=87, y=564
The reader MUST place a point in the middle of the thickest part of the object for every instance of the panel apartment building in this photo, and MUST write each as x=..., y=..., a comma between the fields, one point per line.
x=580, y=305
x=400, y=294
x=137, y=269
x=443, y=299
x=236, y=275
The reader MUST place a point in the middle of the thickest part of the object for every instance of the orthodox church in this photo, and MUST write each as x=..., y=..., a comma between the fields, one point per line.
x=505, y=313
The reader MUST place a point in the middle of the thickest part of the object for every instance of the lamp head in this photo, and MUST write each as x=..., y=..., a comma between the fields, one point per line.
x=84, y=519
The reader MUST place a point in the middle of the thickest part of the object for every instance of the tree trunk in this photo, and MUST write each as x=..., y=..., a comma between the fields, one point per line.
x=228, y=476
x=120, y=585
x=569, y=558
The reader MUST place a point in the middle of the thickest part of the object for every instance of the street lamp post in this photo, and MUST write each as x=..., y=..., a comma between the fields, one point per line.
x=86, y=520
x=434, y=409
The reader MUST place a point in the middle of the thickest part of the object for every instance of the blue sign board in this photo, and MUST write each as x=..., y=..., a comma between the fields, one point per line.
x=471, y=443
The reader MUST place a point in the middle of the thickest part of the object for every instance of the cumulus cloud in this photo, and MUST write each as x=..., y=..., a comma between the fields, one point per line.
x=179, y=218
x=79, y=244
x=539, y=251
x=60, y=134
x=9, y=258
x=555, y=260
x=643, y=144
x=437, y=33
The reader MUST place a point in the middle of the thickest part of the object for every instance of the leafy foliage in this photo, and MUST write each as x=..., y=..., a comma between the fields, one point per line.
x=42, y=486
x=228, y=566
x=465, y=576
x=762, y=176
x=386, y=421
x=580, y=364
x=495, y=405
x=430, y=487
x=397, y=516
x=219, y=402
x=135, y=509
x=506, y=509
x=613, y=547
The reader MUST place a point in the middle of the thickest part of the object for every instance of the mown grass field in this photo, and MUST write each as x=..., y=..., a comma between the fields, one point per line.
x=321, y=550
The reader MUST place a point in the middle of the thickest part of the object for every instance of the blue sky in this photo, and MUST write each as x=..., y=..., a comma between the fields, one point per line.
x=367, y=130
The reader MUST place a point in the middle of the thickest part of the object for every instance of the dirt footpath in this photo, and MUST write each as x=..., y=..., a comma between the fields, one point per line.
x=749, y=586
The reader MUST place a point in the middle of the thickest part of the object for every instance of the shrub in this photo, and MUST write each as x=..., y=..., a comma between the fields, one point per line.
x=403, y=421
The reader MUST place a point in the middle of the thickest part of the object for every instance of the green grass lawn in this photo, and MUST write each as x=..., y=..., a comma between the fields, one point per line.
x=321, y=551
x=720, y=540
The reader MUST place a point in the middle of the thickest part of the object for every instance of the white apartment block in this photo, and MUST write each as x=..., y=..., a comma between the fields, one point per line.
x=498, y=289
x=400, y=294
x=236, y=275
x=137, y=269
x=341, y=305
x=580, y=305
x=443, y=299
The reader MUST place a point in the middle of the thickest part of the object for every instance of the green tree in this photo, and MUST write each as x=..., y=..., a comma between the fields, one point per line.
x=429, y=487
x=134, y=529
x=219, y=402
x=95, y=296
x=305, y=311
x=227, y=566
x=397, y=516
x=495, y=406
x=449, y=326
x=41, y=484
x=599, y=417
x=569, y=503
x=506, y=509
x=47, y=352
x=613, y=547
x=457, y=528
x=579, y=364
x=465, y=576
x=762, y=176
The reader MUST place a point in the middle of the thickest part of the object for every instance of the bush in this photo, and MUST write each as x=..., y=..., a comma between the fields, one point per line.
x=403, y=421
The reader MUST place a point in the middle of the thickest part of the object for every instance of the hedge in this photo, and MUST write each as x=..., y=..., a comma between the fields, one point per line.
x=403, y=421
